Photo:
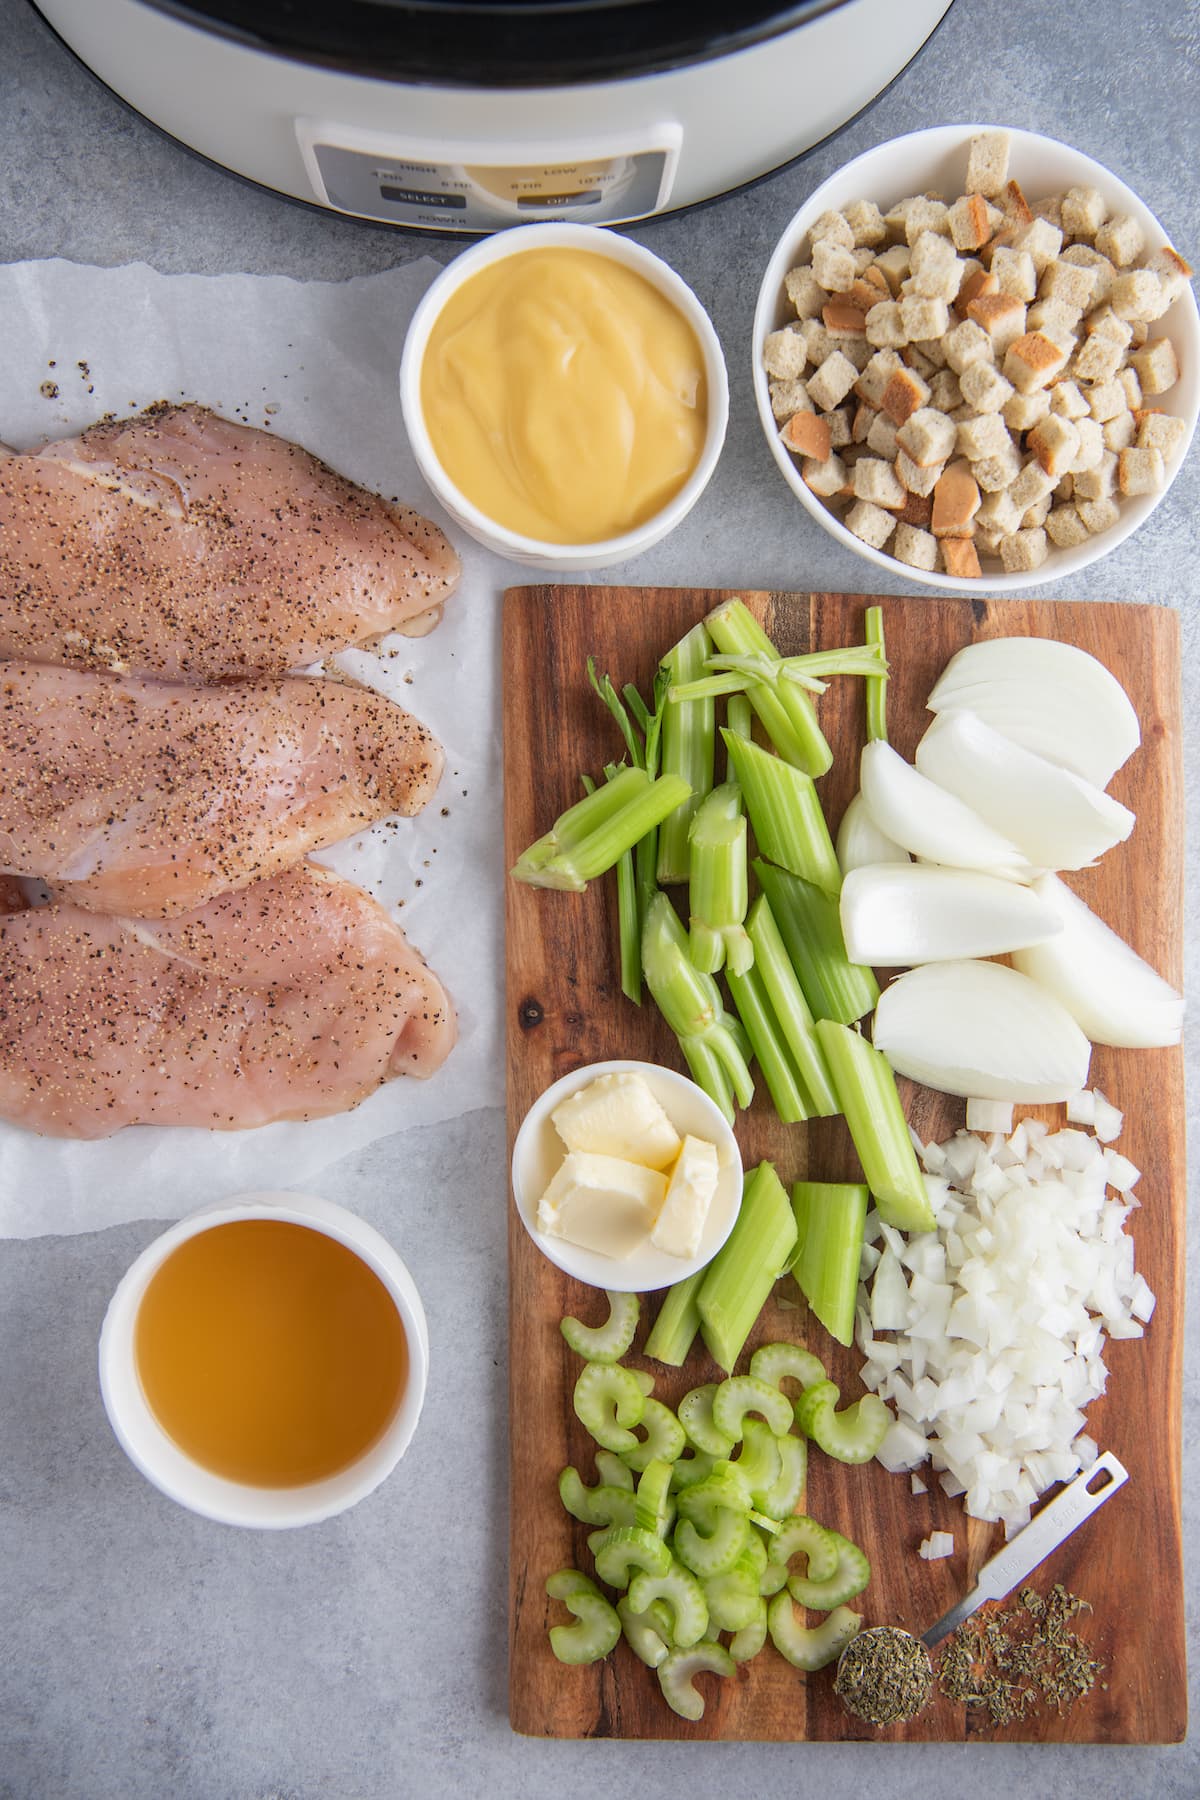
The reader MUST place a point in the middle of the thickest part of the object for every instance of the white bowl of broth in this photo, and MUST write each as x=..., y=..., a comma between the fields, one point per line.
x=264, y=1361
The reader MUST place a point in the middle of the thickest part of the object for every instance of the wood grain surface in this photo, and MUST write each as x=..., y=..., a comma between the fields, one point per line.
x=565, y=1008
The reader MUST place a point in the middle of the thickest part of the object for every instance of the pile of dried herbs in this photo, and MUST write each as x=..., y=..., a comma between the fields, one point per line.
x=1009, y=1661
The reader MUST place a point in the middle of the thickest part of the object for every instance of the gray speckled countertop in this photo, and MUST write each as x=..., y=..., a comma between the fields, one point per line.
x=148, y=1654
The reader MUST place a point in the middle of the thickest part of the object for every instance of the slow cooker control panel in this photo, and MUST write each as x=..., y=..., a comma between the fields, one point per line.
x=477, y=187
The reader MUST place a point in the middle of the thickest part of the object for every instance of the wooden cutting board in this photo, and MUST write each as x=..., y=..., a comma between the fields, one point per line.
x=565, y=1008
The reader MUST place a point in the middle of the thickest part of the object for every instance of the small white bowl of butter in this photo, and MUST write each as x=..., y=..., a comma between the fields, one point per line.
x=564, y=394
x=623, y=1155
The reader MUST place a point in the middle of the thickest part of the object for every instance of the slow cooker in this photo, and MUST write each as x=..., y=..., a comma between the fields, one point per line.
x=471, y=115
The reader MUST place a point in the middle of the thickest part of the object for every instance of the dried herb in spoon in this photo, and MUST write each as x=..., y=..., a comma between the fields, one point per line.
x=884, y=1675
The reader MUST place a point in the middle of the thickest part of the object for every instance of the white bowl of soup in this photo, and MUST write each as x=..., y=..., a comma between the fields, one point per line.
x=264, y=1361
x=565, y=395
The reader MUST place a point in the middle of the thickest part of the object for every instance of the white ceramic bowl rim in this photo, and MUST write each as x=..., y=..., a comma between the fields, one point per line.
x=601, y=242
x=648, y=1269
x=916, y=158
x=161, y=1460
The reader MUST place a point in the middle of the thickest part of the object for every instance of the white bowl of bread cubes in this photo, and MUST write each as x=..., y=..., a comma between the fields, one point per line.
x=977, y=358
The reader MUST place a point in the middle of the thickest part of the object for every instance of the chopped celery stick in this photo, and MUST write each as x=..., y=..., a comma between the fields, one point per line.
x=742, y=1394
x=613, y=1470
x=866, y=1088
x=726, y=1486
x=644, y=1380
x=690, y=1469
x=608, y=1400
x=772, y=1052
x=690, y=1002
x=760, y=1463
x=785, y=811
x=696, y=1417
x=808, y=922
x=643, y=1634
x=676, y=1676
x=682, y=1593
x=810, y=1648
x=784, y=708
x=790, y=1011
x=653, y=1507
x=739, y=718
x=747, y=1642
x=777, y=1363
x=741, y=1275
x=830, y=1216
x=849, y=1578
x=665, y=1437
x=802, y=1536
x=850, y=1436
x=687, y=747
x=716, y=1549
x=627, y=1547
x=782, y=1499
x=597, y=1628
x=732, y=1597
x=629, y=928
x=603, y=1504
x=718, y=883
x=622, y=811
x=605, y=1343
x=876, y=684
x=674, y=1330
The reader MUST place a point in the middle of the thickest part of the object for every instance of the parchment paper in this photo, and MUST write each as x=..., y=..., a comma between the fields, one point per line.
x=316, y=362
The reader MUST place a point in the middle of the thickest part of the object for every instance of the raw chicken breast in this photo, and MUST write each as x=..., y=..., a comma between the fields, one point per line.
x=178, y=543
x=296, y=998
x=136, y=796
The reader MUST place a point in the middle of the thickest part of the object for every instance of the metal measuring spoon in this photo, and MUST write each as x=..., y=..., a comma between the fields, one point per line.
x=1019, y=1558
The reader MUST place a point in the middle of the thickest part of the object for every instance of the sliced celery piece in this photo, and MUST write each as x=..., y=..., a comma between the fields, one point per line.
x=876, y=684
x=643, y=1633
x=784, y=1497
x=760, y=1463
x=850, y=1436
x=740, y=1277
x=811, y=929
x=597, y=1626
x=790, y=1011
x=621, y=812
x=803, y=1536
x=866, y=1088
x=742, y=1394
x=627, y=1547
x=687, y=747
x=644, y=1380
x=732, y=1597
x=718, y=883
x=674, y=1330
x=629, y=929
x=773, y=1054
x=783, y=707
x=778, y=1363
x=691, y=1468
x=786, y=814
x=605, y=1343
x=676, y=1676
x=613, y=1471
x=747, y=1642
x=849, y=1578
x=725, y=1486
x=830, y=1216
x=696, y=1417
x=690, y=1002
x=716, y=1549
x=739, y=718
x=608, y=1400
x=665, y=1437
x=603, y=1504
x=682, y=1593
x=810, y=1647
x=654, y=1510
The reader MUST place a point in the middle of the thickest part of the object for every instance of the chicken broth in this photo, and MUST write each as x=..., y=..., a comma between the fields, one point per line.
x=270, y=1353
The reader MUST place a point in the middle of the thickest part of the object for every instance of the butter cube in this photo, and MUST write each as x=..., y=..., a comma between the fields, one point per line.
x=680, y=1224
x=618, y=1115
x=602, y=1203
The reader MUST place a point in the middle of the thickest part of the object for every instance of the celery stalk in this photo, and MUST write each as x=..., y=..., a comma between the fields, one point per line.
x=592, y=835
x=629, y=929
x=830, y=1216
x=718, y=882
x=686, y=749
x=690, y=1002
x=866, y=1088
x=790, y=1011
x=674, y=1330
x=740, y=1277
x=739, y=718
x=808, y=922
x=877, y=684
x=785, y=812
x=785, y=710
x=770, y=1048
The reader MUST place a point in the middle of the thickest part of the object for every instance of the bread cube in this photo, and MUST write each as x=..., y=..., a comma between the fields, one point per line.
x=935, y=270
x=1106, y=399
x=931, y=351
x=833, y=265
x=1033, y=361
x=987, y=163
x=840, y=433
x=1054, y=441
x=1097, y=359
x=904, y=395
x=856, y=349
x=788, y=397
x=807, y=433
x=1037, y=514
x=1128, y=379
x=1032, y=484
x=1054, y=320
x=1041, y=240
x=877, y=481
x=1140, y=471
x=1024, y=410
x=884, y=326
x=1049, y=209
x=1098, y=515
x=945, y=393
x=1090, y=449
x=894, y=264
x=1072, y=283
x=804, y=292
x=832, y=228
x=915, y=547
x=826, y=478
x=917, y=509
x=920, y=364
x=870, y=523
x=914, y=478
x=1172, y=271
x=876, y=375
x=927, y=437
x=866, y=222
x=784, y=354
x=973, y=286
x=968, y=222
x=1098, y=482
x=1121, y=240
x=1001, y=316
x=1067, y=401
x=960, y=558
x=1085, y=256
x=818, y=342
x=881, y=436
x=1083, y=212
x=985, y=434
x=1120, y=431
x=1159, y=431
x=966, y=344
x=999, y=470
x=925, y=215
x=1015, y=273
x=1065, y=528
x=998, y=513
x=955, y=501
x=1157, y=366
x=923, y=316
x=1137, y=294
x=1023, y=550
x=832, y=381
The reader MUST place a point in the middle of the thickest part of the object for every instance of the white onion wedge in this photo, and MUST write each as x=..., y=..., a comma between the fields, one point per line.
x=897, y=914
x=1109, y=991
x=860, y=843
x=909, y=808
x=1055, y=699
x=1056, y=818
x=981, y=1030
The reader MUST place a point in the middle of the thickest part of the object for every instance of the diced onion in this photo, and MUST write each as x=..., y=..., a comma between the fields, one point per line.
x=936, y=1545
x=909, y=808
x=1113, y=995
x=1053, y=698
x=896, y=914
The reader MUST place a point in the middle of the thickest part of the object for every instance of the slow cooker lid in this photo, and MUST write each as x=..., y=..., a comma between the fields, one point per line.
x=496, y=43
